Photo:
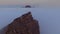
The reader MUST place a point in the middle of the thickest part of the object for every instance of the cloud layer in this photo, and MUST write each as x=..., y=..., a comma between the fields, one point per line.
x=32, y=2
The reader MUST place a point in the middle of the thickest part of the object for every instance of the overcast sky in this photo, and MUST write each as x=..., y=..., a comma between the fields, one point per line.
x=14, y=2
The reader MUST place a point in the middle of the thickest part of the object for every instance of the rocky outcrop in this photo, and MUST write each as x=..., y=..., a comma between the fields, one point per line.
x=23, y=25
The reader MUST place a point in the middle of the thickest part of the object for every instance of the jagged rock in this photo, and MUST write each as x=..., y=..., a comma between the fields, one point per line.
x=23, y=25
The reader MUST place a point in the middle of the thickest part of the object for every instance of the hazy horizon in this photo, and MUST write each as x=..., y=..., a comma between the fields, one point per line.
x=31, y=2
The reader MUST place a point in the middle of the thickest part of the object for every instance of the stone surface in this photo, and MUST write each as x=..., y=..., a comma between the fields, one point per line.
x=23, y=25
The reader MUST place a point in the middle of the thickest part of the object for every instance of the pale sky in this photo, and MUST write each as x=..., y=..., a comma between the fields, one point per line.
x=21, y=2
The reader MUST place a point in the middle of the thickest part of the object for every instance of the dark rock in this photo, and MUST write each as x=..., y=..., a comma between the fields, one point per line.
x=27, y=6
x=23, y=25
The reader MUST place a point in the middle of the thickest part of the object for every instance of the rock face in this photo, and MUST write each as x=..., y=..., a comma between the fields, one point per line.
x=23, y=25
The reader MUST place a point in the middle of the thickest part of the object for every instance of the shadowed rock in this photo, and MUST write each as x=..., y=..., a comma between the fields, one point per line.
x=23, y=25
